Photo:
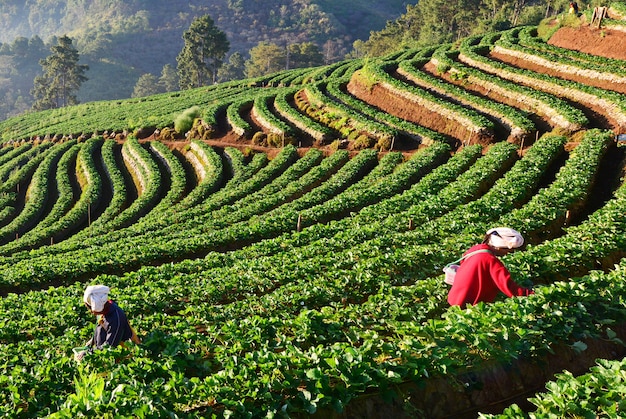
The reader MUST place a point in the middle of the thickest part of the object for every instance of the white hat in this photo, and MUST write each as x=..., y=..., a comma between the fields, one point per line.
x=504, y=237
x=96, y=296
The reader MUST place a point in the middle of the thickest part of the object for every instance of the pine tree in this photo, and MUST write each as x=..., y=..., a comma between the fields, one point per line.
x=234, y=69
x=265, y=58
x=202, y=55
x=147, y=85
x=168, y=79
x=61, y=79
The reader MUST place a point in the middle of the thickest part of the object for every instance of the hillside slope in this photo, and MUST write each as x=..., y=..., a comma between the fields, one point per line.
x=283, y=257
x=121, y=40
x=610, y=43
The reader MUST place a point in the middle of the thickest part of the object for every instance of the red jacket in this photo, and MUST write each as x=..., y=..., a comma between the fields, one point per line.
x=480, y=277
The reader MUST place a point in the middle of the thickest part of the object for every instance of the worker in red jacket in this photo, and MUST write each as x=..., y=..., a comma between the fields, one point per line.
x=481, y=275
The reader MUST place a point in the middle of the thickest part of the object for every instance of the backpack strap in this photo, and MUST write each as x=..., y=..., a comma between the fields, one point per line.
x=456, y=262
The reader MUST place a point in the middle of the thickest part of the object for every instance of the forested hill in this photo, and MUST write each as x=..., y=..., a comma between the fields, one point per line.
x=122, y=39
x=246, y=22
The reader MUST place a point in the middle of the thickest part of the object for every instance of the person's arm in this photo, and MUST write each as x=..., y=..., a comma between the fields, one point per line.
x=502, y=278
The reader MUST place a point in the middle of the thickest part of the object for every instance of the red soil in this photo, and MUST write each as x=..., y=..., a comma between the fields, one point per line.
x=603, y=42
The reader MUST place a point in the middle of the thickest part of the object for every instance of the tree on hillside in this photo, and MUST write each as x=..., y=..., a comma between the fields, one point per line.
x=265, y=58
x=234, y=69
x=432, y=22
x=61, y=79
x=19, y=65
x=304, y=55
x=147, y=85
x=202, y=55
x=169, y=79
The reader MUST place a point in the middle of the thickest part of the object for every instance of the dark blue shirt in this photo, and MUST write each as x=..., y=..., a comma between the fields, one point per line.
x=113, y=327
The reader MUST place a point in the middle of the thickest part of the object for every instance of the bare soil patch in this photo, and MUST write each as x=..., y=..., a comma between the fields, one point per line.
x=386, y=101
x=589, y=40
x=603, y=42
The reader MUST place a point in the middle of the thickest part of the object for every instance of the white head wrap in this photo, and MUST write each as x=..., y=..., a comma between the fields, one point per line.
x=505, y=238
x=96, y=296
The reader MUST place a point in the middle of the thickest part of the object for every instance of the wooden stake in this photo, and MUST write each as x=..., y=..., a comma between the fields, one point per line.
x=299, y=226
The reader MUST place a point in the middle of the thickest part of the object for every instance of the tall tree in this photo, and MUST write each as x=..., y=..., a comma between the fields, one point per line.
x=265, y=58
x=202, y=55
x=169, y=78
x=234, y=69
x=61, y=79
x=147, y=85
x=304, y=55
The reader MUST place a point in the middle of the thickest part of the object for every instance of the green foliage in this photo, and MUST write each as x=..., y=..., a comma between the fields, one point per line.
x=147, y=85
x=265, y=58
x=234, y=69
x=202, y=55
x=433, y=22
x=62, y=77
x=184, y=121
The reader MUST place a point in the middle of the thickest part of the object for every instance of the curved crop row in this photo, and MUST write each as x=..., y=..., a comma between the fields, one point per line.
x=612, y=103
x=527, y=37
x=560, y=113
x=344, y=118
x=471, y=120
x=518, y=122
x=423, y=135
x=320, y=133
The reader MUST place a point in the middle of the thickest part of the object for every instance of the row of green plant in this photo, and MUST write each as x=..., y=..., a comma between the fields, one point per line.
x=321, y=73
x=559, y=112
x=11, y=152
x=15, y=168
x=600, y=68
x=237, y=123
x=346, y=120
x=518, y=123
x=36, y=197
x=322, y=134
x=527, y=37
x=271, y=122
x=100, y=234
x=174, y=173
x=465, y=117
x=173, y=214
x=378, y=219
x=598, y=393
x=424, y=135
x=286, y=78
x=364, y=355
x=193, y=236
x=187, y=237
x=421, y=204
x=119, y=197
x=67, y=214
x=8, y=198
x=612, y=103
x=145, y=174
x=116, y=115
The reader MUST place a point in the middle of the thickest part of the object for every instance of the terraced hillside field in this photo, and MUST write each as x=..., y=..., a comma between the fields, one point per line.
x=285, y=258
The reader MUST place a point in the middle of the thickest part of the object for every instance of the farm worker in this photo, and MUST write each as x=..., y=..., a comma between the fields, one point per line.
x=112, y=326
x=482, y=275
